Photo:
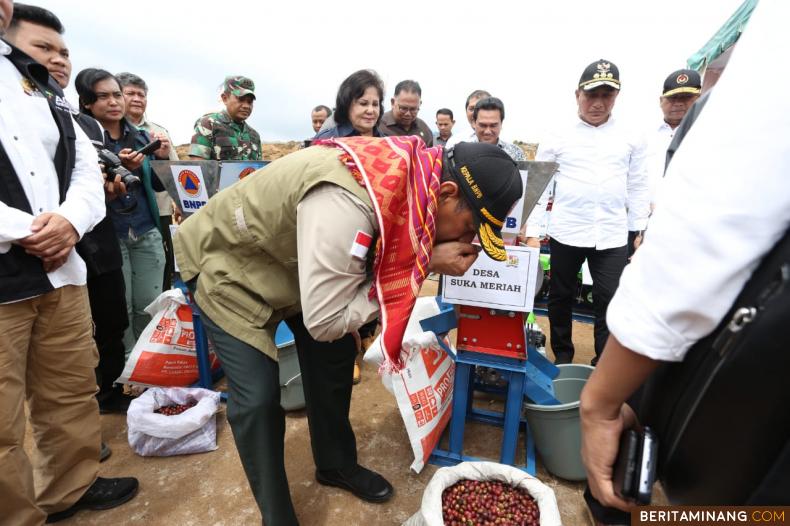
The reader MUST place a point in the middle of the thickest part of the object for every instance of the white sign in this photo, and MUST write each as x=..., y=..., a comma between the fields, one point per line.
x=232, y=172
x=514, y=220
x=191, y=186
x=502, y=285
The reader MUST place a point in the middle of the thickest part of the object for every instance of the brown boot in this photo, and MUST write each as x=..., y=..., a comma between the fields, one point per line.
x=357, y=373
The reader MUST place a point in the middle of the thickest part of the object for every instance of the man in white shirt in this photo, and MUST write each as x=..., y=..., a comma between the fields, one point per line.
x=50, y=195
x=600, y=193
x=469, y=107
x=681, y=89
x=718, y=193
x=487, y=118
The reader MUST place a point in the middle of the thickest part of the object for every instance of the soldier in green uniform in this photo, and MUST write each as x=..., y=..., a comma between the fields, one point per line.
x=224, y=135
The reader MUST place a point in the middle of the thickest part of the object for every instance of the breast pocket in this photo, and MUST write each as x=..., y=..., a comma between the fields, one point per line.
x=224, y=147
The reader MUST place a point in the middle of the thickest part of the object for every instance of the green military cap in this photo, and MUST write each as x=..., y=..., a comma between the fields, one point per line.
x=239, y=86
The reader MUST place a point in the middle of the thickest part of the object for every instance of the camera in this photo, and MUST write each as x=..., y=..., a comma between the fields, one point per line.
x=113, y=167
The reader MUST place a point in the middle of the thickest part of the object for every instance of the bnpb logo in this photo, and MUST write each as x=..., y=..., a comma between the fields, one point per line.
x=189, y=181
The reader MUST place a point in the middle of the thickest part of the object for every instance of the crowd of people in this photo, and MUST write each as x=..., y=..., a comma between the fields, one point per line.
x=85, y=247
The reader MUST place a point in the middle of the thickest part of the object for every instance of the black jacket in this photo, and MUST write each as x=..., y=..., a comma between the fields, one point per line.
x=22, y=275
x=99, y=248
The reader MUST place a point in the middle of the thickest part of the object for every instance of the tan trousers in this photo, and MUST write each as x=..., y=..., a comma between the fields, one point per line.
x=47, y=357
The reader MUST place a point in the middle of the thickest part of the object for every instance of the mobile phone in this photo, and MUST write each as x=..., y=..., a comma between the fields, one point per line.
x=149, y=148
x=635, y=468
x=625, y=466
x=648, y=457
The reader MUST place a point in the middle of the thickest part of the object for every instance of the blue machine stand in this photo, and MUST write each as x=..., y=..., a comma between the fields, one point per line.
x=206, y=378
x=530, y=377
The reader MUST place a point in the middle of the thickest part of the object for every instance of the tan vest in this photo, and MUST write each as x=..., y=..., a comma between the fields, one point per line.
x=242, y=245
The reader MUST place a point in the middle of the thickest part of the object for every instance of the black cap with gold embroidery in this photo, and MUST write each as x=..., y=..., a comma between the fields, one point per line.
x=490, y=181
x=682, y=81
x=600, y=73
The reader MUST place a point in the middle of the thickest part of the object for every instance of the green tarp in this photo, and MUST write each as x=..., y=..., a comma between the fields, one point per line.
x=724, y=37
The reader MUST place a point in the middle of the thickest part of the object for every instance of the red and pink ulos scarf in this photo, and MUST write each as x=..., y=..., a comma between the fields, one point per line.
x=402, y=177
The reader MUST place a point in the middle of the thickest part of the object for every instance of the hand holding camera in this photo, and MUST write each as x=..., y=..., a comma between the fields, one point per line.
x=117, y=179
x=113, y=188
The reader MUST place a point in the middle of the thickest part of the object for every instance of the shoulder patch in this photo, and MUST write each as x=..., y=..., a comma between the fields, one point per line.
x=361, y=244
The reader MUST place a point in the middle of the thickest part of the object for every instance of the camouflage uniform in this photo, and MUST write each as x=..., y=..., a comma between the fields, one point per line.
x=218, y=137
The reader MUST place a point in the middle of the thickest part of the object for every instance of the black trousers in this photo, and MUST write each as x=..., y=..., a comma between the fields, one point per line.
x=167, y=242
x=107, y=295
x=606, y=266
x=258, y=421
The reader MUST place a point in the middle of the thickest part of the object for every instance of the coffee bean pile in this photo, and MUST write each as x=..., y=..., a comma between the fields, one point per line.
x=488, y=502
x=175, y=409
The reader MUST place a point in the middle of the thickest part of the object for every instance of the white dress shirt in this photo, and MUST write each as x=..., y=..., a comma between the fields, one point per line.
x=657, y=143
x=723, y=204
x=455, y=138
x=600, y=189
x=30, y=137
x=513, y=150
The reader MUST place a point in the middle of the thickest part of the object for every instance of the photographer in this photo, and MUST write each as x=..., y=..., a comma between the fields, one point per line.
x=135, y=214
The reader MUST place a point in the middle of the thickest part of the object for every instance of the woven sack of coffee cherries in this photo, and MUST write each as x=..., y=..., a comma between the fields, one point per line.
x=173, y=421
x=481, y=493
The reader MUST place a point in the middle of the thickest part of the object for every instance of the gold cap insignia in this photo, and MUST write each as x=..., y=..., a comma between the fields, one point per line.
x=603, y=71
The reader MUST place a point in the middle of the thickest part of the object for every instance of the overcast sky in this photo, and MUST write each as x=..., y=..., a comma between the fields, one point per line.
x=528, y=53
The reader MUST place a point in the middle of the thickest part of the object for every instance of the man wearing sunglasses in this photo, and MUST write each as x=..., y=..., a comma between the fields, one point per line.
x=402, y=118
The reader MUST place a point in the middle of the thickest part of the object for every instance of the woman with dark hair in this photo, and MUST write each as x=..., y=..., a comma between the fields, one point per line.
x=358, y=112
x=357, y=107
x=135, y=215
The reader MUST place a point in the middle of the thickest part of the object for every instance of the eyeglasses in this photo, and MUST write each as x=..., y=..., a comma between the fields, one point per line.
x=407, y=109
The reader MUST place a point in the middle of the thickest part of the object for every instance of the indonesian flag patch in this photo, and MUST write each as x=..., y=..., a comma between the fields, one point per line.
x=361, y=244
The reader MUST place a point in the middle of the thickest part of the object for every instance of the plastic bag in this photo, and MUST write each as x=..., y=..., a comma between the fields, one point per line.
x=424, y=392
x=423, y=388
x=164, y=355
x=155, y=435
x=425, y=307
x=430, y=513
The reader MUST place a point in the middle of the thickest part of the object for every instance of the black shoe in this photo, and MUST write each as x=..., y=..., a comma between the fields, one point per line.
x=104, y=452
x=365, y=484
x=563, y=358
x=102, y=495
x=117, y=402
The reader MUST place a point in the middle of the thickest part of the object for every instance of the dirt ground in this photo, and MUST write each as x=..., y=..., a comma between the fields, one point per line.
x=210, y=489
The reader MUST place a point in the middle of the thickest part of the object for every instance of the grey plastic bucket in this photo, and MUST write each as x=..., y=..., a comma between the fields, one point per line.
x=291, y=392
x=556, y=428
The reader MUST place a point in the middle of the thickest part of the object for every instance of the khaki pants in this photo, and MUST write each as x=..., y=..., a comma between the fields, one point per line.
x=47, y=357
